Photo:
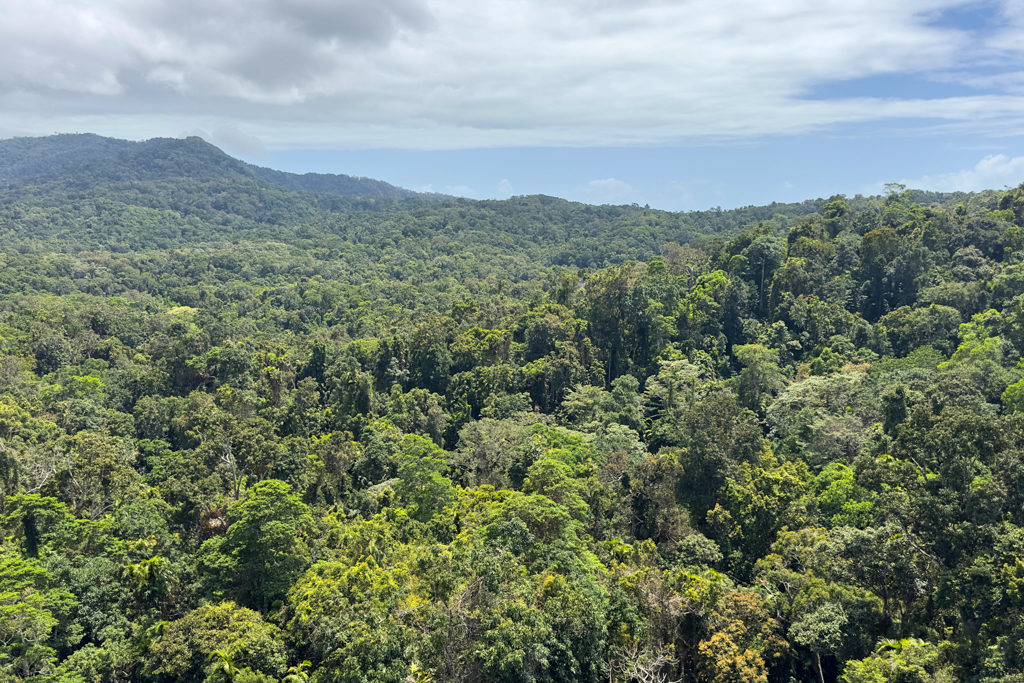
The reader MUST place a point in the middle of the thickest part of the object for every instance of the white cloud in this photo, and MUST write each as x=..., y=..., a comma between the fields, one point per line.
x=459, y=191
x=505, y=189
x=231, y=140
x=697, y=193
x=609, y=191
x=234, y=141
x=609, y=185
x=994, y=171
x=453, y=190
x=451, y=74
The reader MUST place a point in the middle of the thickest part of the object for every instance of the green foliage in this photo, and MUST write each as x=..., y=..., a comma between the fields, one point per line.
x=421, y=481
x=264, y=427
x=225, y=633
x=264, y=548
x=907, y=659
x=31, y=613
x=344, y=616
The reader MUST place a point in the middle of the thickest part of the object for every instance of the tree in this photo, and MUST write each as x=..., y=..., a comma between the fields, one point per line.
x=649, y=500
x=677, y=385
x=264, y=549
x=345, y=618
x=31, y=613
x=715, y=435
x=421, y=481
x=820, y=631
x=233, y=638
x=496, y=452
x=764, y=255
x=738, y=637
x=97, y=473
x=761, y=376
x=909, y=660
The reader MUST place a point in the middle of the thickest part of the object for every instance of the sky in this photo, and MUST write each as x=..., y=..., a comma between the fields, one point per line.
x=679, y=104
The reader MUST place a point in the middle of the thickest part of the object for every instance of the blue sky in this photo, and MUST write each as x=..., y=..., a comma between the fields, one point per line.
x=790, y=168
x=677, y=104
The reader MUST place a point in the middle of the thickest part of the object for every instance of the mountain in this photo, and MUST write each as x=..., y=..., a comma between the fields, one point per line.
x=86, y=159
x=86, y=192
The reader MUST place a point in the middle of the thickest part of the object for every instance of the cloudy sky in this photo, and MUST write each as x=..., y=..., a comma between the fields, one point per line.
x=679, y=104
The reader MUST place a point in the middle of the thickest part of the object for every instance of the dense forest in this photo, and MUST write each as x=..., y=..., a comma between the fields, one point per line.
x=261, y=427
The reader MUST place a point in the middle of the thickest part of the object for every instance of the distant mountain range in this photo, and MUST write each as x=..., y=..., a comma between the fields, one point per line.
x=85, y=192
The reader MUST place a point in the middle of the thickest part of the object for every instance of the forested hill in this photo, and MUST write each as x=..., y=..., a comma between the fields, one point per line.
x=86, y=161
x=77, y=192
x=270, y=434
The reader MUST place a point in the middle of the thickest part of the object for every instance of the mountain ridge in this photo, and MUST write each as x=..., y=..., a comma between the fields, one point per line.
x=39, y=160
x=78, y=192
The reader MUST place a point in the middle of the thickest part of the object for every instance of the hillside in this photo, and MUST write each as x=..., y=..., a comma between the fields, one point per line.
x=272, y=428
x=76, y=192
x=85, y=161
